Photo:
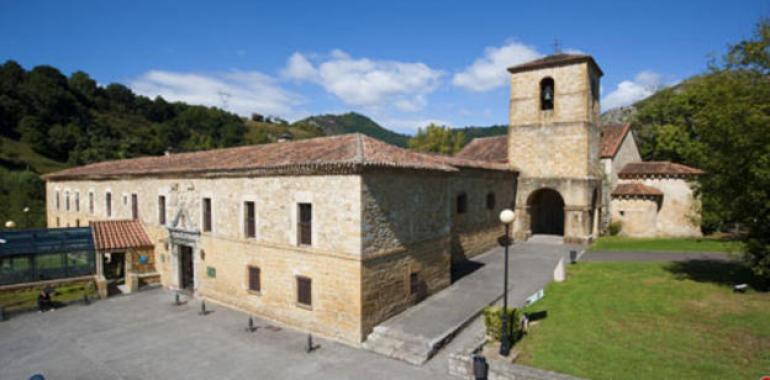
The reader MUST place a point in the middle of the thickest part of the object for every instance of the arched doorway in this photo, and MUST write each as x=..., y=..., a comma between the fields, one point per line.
x=546, y=210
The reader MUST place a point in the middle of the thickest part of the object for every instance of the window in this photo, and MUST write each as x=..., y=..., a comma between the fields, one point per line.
x=304, y=291
x=91, y=202
x=67, y=200
x=58, y=222
x=134, y=207
x=77, y=201
x=206, y=214
x=125, y=199
x=249, y=221
x=595, y=88
x=255, y=279
x=108, y=204
x=162, y=209
x=58, y=204
x=305, y=224
x=77, y=222
x=462, y=203
x=414, y=283
x=546, y=93
x=491, y=201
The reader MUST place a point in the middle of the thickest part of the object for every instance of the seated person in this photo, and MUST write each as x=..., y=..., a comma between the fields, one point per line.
x=44, y=300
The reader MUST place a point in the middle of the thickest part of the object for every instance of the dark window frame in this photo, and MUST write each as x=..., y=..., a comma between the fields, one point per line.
x=66, y=201
x=305, y=224
x=461, y=204
x=134, y=206
x=304, y=295
x=58, y=200
x=77, y=201
x=254, y=282
x=206, y=224
x=250, y=219
x=91, y=202
x=161, y=210
x=108, y=204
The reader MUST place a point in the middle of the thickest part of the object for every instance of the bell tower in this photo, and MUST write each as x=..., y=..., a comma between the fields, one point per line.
x=553, y=140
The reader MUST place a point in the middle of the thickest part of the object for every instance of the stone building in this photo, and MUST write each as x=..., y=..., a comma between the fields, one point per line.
x=334, y=235
x=575, y=173
x=331, y=235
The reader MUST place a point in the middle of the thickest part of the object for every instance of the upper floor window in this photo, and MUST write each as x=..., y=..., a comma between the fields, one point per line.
x=304, y=223
x=547, y=92
x=77, y=201
x=162, y=209
x=304, y=291
x=58, y=204
x=134, y=207
x=108, y=204
x=462, y=203
x=491, y=201
x=255, y=279
x=206, y=214
x=91, y=202
x=67, y=200
x=249, y=220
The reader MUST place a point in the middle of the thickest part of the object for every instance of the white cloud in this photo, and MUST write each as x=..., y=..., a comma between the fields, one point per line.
x=242, y=92
x=489, y=71
x=367, y=83
x=629, y=91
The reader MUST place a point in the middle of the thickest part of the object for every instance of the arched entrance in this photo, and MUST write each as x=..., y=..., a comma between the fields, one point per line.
x=546, y=211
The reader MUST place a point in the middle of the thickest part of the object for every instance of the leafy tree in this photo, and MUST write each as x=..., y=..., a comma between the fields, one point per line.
x=752, y=54
x=437, y=139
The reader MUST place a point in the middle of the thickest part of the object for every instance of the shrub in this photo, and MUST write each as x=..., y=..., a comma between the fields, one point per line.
x=493, y=322
x=615, y=228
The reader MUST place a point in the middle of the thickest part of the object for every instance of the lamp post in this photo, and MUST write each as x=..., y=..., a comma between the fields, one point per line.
x=26, y=217
x=10, y=224
x=506, y=217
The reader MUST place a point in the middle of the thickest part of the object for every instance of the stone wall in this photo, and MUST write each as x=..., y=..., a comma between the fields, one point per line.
x=637, y=215
x=628, y=152
x=678, y=215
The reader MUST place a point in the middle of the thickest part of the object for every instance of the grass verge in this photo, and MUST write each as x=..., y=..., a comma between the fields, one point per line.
x=626, y=244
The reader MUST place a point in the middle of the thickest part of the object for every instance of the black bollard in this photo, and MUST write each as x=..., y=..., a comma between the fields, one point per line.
x=176, y=299
x=480, y=367
x=86, y=301
x=251, y=324
x=203, y=308
x=573, y=257
x=309, y=347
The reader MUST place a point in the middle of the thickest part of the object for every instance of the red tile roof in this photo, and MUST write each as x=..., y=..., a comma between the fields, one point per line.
x=318, y=154
x=612, y=138
x=641, y=169
x=555, y=60
x=119, y=234
x=631, y=189
x=493, y=149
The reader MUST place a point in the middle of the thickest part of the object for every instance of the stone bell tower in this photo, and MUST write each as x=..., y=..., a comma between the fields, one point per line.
x=553, y=140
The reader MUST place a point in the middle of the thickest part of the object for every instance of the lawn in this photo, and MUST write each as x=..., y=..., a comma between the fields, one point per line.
x=26, y=299
x=620, y=244
x=651, y=321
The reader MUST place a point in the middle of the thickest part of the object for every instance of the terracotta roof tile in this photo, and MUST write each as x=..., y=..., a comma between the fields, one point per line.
x=631, y=189
x=637, y=169
x=555, y=60
x=493, y=149
x=612, y=138
x=119, y=234
x=322, y=153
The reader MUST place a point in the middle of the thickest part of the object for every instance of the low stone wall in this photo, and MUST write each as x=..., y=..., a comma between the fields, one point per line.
x=35, y=287
x=468, y=244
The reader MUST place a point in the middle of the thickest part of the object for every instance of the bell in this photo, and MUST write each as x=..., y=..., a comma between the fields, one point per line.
x=548, y=93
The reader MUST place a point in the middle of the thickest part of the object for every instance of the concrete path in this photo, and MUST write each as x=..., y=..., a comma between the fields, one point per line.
x=416, y=334
x=654, y=256
x=144, y=336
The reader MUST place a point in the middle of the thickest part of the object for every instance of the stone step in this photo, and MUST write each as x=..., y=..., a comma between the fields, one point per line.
x=412, y=349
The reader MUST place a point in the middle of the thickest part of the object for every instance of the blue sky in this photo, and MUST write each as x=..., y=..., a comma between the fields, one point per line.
x=404, y=63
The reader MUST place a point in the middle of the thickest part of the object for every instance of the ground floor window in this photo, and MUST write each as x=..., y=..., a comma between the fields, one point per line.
x=255, y=280
x=304, y=291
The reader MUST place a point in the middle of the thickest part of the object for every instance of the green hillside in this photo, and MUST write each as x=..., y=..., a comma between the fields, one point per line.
x=352, y=122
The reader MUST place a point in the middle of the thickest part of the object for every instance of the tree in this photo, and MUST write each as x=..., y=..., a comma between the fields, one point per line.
x=437, y=139
x=752, y=54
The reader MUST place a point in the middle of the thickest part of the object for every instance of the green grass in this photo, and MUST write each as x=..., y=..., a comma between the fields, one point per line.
x=26, y=299
x=651, y=321
x=18, y=155
x=621, y=244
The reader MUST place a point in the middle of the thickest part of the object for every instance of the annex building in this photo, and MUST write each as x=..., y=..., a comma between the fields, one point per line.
x=334, y=235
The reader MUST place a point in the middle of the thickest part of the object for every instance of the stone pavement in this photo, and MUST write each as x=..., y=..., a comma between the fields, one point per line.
x=144, y=336
x=419, y=332
x=654, y=256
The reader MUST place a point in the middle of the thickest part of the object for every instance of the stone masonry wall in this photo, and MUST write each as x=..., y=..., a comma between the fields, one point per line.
x=679, y=213
x=637, y=215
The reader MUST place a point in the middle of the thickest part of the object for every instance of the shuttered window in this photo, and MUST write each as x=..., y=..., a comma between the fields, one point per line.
x=134, y=207
x=108, y=204
x=67, y=200
x=305, y=224
x=206, y=214
x=162, y=209
x=255, y=280
x=304, y=291
x=91, y=203
x=249, y=220
x=77, y=201
x=58, y=204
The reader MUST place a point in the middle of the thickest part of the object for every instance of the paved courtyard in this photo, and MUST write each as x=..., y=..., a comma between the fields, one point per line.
x=144, y=336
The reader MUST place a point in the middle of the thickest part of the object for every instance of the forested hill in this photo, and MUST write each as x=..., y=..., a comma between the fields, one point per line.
x=354, y=122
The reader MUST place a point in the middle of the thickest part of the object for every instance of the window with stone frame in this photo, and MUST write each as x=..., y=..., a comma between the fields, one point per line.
x=249, y=219
x=547, y=93
x=108, y=204
x=91, y=202
x=206, y=205
x=134, y=206
x=67, y=200
x=304, y=224
x=255, y=279
x=77, y=201
x=162, y=209
x=304, y=291
x=414, y=283
x=58, y=203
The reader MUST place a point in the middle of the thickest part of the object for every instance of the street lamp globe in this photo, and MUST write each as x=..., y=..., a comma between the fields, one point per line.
x=26, y=209
x=507, y=216
x=10, y=224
